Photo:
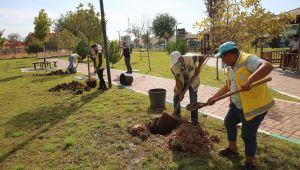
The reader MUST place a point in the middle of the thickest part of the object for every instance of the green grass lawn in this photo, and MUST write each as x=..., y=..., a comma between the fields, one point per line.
x=45, y=130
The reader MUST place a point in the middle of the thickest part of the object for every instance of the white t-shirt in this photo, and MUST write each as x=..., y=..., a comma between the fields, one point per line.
x=295, y=45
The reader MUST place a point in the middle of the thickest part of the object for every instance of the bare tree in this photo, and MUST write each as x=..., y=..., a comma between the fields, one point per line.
x=13, y=40
x=136, y=31
x=2, y=39
x=146, y=32
x=212, y=7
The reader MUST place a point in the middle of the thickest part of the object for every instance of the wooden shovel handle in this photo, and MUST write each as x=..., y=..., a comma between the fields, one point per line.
x=259, y=82
x=198, y=105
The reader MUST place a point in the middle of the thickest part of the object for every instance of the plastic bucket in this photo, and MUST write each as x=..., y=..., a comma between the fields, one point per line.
x=157, y=98
x=126, y=79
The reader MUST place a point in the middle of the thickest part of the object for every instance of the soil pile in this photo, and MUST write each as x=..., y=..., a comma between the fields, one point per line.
x=74, y=86
x=55, y=72
x=140, y=131
x=189, y=138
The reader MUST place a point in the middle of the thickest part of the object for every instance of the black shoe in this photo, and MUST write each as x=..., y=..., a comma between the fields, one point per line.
x=127, y=72
x=248, y=166
x=228, y=152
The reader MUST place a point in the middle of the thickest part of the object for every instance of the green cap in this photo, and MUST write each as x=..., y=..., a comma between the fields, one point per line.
x=227, y=46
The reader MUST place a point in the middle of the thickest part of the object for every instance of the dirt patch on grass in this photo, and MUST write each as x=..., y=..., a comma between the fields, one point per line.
x=56, y=72
x=74, y=86
x=186, y=137
x=140, y=131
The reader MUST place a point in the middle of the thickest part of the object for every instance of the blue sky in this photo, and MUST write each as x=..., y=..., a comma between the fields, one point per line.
x=16, y=16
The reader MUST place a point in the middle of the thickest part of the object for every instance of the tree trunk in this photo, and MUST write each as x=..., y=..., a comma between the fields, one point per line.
x=148, y=58
x=89, y=74
x=217, y=68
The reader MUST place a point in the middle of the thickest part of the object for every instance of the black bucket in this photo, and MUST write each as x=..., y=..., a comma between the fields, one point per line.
x=126, y=79
x=157, y=98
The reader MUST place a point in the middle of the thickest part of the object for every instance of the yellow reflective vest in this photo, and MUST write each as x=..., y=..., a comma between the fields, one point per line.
x=258, y=99
x=97, y=62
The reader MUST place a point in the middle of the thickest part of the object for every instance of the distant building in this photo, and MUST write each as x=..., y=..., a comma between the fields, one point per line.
x=193, y=42
x=295, y=12
x=17, y=44
x=180, y=33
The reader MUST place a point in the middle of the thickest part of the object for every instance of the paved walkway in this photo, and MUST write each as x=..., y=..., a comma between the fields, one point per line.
x=284, y=81
x=283, y=120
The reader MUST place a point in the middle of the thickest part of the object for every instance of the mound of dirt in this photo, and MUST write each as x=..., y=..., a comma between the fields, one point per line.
x=74, y=86
x=189, y=138
x=140, y=131
x=55, y=72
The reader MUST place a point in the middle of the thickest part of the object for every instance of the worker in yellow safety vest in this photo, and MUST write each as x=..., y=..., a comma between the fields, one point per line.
x=99, y=65
x=248, y=107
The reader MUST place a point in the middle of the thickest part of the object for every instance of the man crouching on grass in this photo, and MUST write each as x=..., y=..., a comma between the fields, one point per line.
x=249, y=106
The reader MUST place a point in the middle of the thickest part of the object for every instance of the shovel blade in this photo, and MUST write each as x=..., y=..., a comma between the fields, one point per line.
x=195, y=106
x=166, y=123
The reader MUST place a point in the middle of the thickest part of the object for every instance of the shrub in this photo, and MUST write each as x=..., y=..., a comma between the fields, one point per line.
x=180, y=45
x=114, y=52
x=82, y=49
x=34, y=47
x=171, y=47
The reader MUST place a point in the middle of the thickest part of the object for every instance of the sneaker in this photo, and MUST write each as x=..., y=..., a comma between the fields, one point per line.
x=228, y=152
x=248, y=166
x=127, y=72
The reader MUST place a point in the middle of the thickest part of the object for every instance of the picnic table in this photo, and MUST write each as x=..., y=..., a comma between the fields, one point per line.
x=44, y=63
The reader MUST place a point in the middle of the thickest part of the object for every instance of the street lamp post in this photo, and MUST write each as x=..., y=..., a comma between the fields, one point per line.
x=119, y=37
x=176, y=31
x=105, y=43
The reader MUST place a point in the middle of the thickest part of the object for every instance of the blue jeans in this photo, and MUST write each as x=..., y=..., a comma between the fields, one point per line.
x=127, y=62
x=249, y=128
x=193, y=99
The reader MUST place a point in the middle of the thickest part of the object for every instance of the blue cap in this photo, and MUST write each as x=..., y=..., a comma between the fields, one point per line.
x=227, y=46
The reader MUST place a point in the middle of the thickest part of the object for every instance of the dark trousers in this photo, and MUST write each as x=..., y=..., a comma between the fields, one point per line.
x=102, y=84
x=249, y=128
x=127, y=62
x=193, y=99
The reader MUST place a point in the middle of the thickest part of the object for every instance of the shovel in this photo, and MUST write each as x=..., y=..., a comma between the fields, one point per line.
x=167, y=122
x=198, y=105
